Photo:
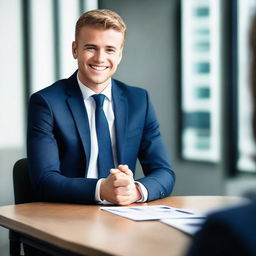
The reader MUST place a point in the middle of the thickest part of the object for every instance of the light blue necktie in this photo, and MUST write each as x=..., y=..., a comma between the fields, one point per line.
x=105, y=155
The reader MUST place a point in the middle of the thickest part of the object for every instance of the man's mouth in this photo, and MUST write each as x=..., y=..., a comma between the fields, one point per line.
x=98, y=68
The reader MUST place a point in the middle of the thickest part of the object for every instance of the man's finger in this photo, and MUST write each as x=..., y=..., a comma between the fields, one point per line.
x=123, y=191
x=122, y=181
x=125, y=169
x=114, y=171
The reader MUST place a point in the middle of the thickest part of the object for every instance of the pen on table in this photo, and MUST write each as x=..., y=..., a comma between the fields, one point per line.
x=183, y=211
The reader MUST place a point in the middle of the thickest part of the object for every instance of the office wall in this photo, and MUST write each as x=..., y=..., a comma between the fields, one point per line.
x=11, y=103
x=151, y=60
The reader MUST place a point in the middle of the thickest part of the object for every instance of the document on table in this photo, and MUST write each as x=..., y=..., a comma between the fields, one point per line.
x=154, y=212
x=189, y=226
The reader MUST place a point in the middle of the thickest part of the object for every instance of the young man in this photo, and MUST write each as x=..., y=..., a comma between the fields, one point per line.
x=86, y=132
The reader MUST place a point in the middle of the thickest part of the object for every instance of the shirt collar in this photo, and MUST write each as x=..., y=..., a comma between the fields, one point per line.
x=87, y=92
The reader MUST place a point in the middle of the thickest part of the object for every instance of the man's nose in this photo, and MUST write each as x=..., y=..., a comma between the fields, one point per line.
x=100, y=56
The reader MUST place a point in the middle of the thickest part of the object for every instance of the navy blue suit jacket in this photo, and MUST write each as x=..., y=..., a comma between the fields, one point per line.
x=58, y=142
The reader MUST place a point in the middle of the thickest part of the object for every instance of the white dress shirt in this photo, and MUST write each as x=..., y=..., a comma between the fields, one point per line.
x=109, y=113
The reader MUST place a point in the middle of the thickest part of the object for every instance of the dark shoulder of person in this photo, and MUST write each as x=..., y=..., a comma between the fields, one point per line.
x=228, y=232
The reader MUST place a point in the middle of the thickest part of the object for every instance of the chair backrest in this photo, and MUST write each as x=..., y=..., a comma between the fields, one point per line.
x=23, y=191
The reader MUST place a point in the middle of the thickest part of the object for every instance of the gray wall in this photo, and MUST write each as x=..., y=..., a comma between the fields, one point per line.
x=11, y=104
x=150, y=61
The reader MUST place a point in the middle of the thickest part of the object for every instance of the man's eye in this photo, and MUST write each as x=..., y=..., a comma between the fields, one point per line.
x=90, y=48
x=110, y=50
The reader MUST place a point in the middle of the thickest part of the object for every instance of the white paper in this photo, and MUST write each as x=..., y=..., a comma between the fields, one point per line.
x=189, y=226
x=154, y=212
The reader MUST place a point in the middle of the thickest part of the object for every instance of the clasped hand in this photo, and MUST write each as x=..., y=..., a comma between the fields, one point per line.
x=119, y=187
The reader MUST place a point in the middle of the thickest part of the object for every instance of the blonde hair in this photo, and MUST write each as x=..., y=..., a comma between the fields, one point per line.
x=101, y=18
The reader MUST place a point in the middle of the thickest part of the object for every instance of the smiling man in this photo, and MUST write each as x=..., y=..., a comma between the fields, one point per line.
x=85, y=133
x=98, y=53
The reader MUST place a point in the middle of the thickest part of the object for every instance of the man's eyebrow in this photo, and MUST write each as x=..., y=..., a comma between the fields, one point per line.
x=110, y=46
x=94, y=45
x=90, y=45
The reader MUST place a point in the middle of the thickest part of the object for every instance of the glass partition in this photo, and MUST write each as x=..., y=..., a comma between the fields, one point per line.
x=201, y=80
x=246, y=9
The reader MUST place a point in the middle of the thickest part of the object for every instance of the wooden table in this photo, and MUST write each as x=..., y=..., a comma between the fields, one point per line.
x=87, y=230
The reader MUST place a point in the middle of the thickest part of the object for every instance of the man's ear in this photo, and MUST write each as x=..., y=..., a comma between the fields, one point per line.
x=120, y=55
x=74, y=49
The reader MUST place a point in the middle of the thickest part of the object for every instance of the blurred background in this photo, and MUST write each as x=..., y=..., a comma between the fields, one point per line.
x=193, y=56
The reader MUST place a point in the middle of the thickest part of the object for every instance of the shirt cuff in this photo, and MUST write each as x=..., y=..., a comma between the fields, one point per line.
x=97, y=193
x=143, y=191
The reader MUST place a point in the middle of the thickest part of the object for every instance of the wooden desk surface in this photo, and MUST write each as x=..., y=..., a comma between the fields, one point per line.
x=87, y=230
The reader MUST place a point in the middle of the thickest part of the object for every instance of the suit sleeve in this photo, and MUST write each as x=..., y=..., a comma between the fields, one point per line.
x=44, y=159
x=159, y=177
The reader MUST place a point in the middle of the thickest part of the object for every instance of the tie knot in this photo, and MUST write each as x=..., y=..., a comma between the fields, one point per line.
x=99, y=99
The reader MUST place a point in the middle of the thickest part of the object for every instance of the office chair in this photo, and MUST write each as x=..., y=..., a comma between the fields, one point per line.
x=23, y=193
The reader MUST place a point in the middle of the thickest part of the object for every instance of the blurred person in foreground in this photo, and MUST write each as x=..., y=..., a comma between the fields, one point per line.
x=85, y=133
x=232, y=231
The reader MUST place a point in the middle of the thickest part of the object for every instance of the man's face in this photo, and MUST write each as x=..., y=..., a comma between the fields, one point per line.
x=98, y=53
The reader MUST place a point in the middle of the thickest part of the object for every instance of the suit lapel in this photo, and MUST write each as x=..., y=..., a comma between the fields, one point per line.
x=77, y=107
x=121, y=116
